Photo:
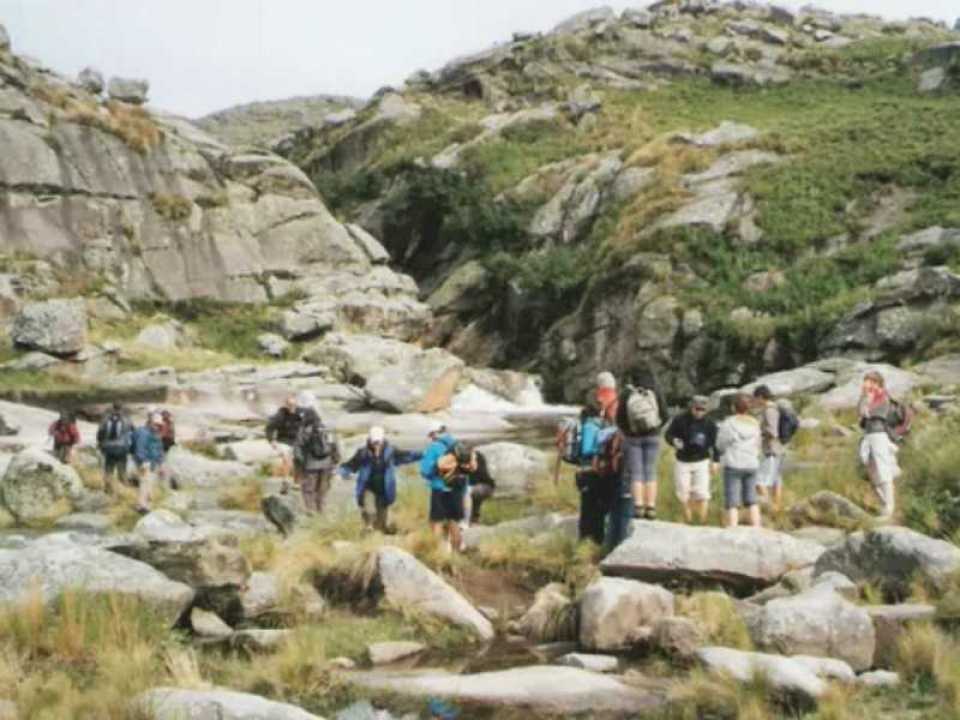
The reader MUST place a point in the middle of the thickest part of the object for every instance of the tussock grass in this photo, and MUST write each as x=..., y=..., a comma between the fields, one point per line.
x=707, y=696
x=552, y=557
x=716, y=614
x=244, y=495
x=175, y=208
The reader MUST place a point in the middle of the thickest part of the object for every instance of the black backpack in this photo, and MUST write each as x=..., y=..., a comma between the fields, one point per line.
x=319, y=443
x=788, y=425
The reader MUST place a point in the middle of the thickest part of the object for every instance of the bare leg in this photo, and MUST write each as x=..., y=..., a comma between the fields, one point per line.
x=650, y=494
x=754, y=512
x=700, y=507
x=733, y=517
x=687, y=512
x=777, y=496
x=453, y=530
x=144, y=491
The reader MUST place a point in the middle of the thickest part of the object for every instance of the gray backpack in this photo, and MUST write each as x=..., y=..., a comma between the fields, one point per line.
x=643, y=411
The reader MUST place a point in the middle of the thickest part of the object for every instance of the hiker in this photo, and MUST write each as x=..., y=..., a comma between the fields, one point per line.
x=65, y=435
x=778, y=424
x=597, y=490
x=606, y=395
x=694, y=436
x=738, y=442
x=438, y=466
x=114, y=441
x=480, y=486
x=375, y=465
x=316, y=455
x=168, y=437
x=147, y=451
x=878, y=451
x=282, y=429
x=641, y=413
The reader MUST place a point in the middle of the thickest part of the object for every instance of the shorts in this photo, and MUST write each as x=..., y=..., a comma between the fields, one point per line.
x=115, y=465
x=739, y=488
x=640, y=458
x=446, y=506
x=770, y=472
x=692, y=480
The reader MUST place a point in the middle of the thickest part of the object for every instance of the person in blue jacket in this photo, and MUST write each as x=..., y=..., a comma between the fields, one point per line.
x=446, y=493
x=596, y=491
x=146, y=447
x=375, y=465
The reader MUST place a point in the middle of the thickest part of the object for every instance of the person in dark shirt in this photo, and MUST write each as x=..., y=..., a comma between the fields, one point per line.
x=694, y=436
x=480, y=487
x=375, y=467
x=282, y=430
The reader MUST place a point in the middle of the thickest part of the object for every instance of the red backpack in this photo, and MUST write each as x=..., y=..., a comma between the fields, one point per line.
x=608, y=462
x=64, y=433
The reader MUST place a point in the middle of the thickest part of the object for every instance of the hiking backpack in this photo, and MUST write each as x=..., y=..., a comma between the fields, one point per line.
x=114, y=434
x=643, y=411
x=899, y=421
x=609, y=460
x=571, y=433
x=788, y=424
x=319, y=443
x=63, y=433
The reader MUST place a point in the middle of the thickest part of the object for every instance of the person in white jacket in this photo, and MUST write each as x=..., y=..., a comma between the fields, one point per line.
x=738, y=441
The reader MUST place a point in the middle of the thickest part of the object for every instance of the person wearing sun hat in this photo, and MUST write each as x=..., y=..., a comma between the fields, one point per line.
x=375, y=465
x=446, y=498
x=694, y=436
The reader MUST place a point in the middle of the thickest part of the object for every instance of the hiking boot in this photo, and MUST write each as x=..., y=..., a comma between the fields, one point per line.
x=639, y=512
x=174, y=484
x=142, y=510
x=650, y=513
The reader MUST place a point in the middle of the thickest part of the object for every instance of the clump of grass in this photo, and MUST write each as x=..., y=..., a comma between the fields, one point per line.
x=261, y=551
x=551, y=557
x=244, y=495
x=175, y=208
x=716, y=613
x=707, y=696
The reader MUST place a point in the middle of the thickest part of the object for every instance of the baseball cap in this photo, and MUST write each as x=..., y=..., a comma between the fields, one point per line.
x=700, y=401
x=376, y=434
x=436, y=428
x=306, y=399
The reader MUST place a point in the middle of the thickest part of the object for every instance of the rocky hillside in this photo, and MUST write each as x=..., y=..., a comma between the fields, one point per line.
x=271, y=120
x=721, y=189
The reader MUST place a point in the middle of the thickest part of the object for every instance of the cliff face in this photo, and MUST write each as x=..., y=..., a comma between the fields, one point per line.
x=716, y=190
x=144, y=205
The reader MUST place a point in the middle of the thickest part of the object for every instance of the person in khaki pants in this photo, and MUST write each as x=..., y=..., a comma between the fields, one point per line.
x=147, y=451
x=316, y=454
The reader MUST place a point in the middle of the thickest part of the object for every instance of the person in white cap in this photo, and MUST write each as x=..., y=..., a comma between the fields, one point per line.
x=375, y=465
x=446, y=497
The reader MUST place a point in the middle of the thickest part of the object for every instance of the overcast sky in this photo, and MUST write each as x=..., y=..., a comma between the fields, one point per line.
x=205, y=55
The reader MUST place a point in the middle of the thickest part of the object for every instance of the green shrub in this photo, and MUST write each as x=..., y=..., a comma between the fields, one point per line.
x=174, y=208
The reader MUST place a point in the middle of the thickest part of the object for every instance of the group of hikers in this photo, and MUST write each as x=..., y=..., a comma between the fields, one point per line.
x=119, y=441
x=616, y=441
x=457, y=476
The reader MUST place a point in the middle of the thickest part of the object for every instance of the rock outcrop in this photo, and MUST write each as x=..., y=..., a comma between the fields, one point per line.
x=37, y=487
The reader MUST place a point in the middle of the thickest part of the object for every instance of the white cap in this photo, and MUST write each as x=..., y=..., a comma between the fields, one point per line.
x=436, y=428
x=306, y=399
x=155, y=418
x=376, y=434
x=606, y=380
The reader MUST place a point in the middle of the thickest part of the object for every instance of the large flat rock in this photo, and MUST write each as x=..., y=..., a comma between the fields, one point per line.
x=540, y=688
x=742, y=559
x=167, y=703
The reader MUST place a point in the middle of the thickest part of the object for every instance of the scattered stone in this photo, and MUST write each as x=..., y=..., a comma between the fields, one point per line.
x=818, y=622
x=616, y=613
x=57, y=327
x=343, y=663
x=128, y=90
x=932, y=80
x=827, y=508
x=207, y=624
x=557, y=690
x=889, y=622
x=840, y=584
x=583, y=100
x=879, y=678
x=551, y=618
x=783, y=673
x=85, y=522
x=736, y=74
x=55, y=564
x=678, y=637
x=409, y=583
x=384, y=653
x=892, y=557
x=168, y=703
x=161, y=336
x=637, y=17
x=828, y=668
x=272, y=345
x=726, y=133
x=283, y=511
x=201, y=562
x=261, y=640
x=720, y=45
x=632, y=181
x=91, y=80
x=261, y=596
x=740, y=558
x=36, y=487
x=593, y=663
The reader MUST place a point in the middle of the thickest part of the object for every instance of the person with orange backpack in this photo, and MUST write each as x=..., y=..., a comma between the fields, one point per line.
x=65, y=435
x=439, y=468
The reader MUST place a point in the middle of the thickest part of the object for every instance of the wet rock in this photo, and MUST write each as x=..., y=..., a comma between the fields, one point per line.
x=739, y=558
x=551, y=618
x=128, y=90
x=36, y=487
x=616, y=613
x=557, y=690
x=892, y=557
x=384, y=653
x=167, y=703
x=57, y=327
x=56, y=564
x=409, y=583
x=818, y=622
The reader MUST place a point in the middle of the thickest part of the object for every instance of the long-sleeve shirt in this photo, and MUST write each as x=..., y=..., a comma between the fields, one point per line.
x=428, y=463
x=770, y=429
x=147, y=447
x=738, y=440
x=874, y=409
x=697, y=438
x=371, y=469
